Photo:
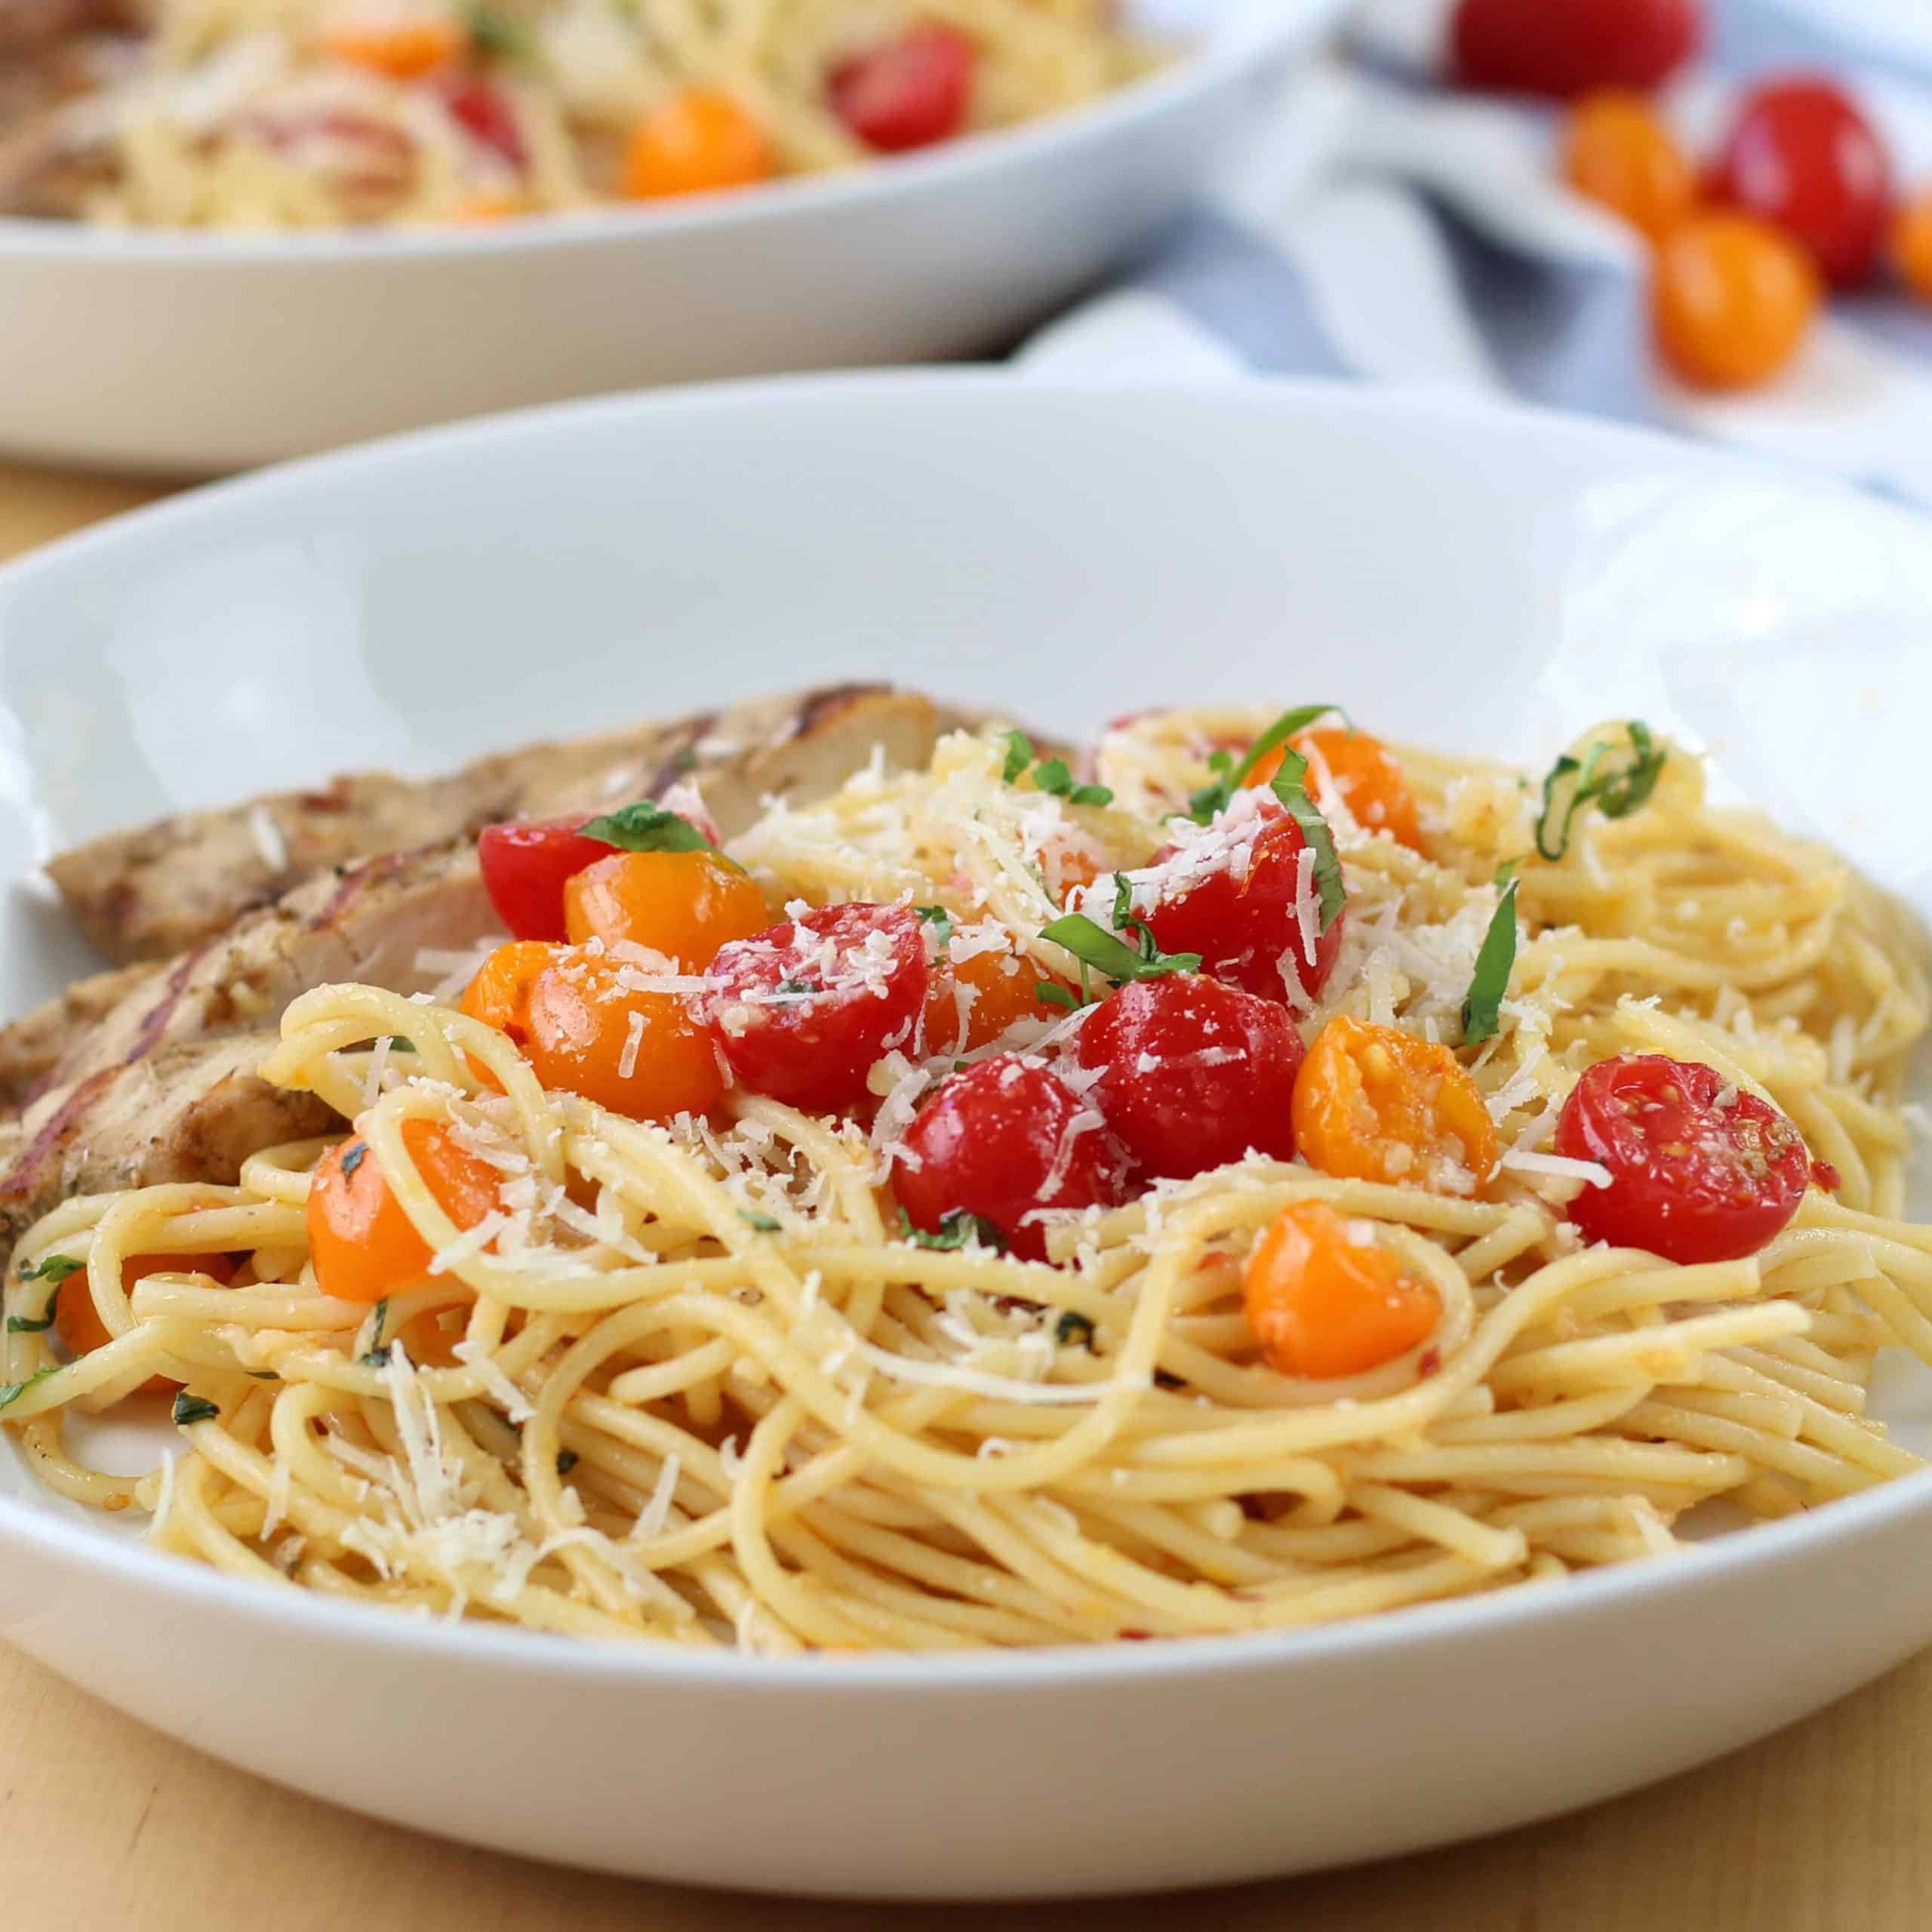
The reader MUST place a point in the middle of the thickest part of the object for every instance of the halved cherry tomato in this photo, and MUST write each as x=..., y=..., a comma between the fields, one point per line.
x=684, y=905
x=1238, y=900
x=803, y=1011
x=1324, y=1298
x=77, y=1321
x=641, y=1052
x=1567, y=47
x=1003, y=986
x=364, y=1245
x=525, y=865
x=1732, y=299
x=1698, y=1170
x=1000, y=1139
x=487, y=112
x=1617, y=152
x=908, y=94
x=1801, y=156
x=696, y=140
x=404, y=50
x=1193, y=1073
x=1371, y=784
x=1375, y=1104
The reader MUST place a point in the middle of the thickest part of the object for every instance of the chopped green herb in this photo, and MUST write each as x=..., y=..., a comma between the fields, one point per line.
x=54, y=1267
x=398, y=1044
x=940, y=920
x=375, y=1358
x=493, y=32
x=353, y=1156
x=1052, y=775
x=1162, y=1379
x=956, y=1229
x=1123, y=901
x=1054, y=995
x=765, y=1224
x=1483, y=1009
x=794, y=986
x=1107, y=953
x=23, y=1324
x=567, y=1460
x=1019, y=756
x=646, y=827
x=193, y=1408
x=1288, y=788
x=12, y=1391
x=264, y=1375
x=379, y=1321
x=1617, y=778
x=1070, y=1328
x=1228, y=776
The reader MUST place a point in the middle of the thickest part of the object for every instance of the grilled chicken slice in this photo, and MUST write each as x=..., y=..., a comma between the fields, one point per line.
x=159, y=1082
x=33, y=1046
x=154, y=892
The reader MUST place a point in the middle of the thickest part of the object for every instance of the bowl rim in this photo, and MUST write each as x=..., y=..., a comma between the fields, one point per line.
x=1260, y=31
x=276, y=1615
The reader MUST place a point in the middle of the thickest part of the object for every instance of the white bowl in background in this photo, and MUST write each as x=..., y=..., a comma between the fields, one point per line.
x=1460, y=573
x=192, y=352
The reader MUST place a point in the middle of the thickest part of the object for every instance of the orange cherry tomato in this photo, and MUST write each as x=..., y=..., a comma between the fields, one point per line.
x=1732, y=299
x=684, y=905
x=1000, y=997
x=500, y=994
x=1324, y=1301
x=77, y=1321
x=697, y=140
x=1374, y=1103
x=405, y=51
x=364, y=1245
x=1370, y=782
x=1911, y=246
x=645, y=1054
x=1617, y=151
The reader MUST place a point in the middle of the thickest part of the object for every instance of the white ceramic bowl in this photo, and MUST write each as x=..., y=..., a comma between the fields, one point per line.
x=192, y=353
x=1481, y=579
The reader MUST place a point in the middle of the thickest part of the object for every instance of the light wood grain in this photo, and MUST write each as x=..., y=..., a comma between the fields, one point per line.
x=106, y=1825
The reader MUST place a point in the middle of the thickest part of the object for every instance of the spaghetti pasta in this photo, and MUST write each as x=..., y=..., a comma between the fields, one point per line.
x=692, y=1380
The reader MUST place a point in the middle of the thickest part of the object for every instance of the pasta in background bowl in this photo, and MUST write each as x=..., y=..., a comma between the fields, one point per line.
x=1330, y=542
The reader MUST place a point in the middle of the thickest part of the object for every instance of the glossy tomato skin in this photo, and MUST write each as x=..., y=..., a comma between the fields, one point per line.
x=908, y=94
x=1193, y=1073
x=1243, y=922
x=525, y=863
x=1800, y=155
x=993, y=1142
x=807, y=1033
x=1563, y=48
x=1698, y=1170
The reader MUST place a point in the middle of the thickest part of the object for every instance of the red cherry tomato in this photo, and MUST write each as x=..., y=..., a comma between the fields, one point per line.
x=1243, y=916
x=1567, y=47
x=1698, y=1170
x=804, y=1010
x=486, y=112
x=1800, y=154
x=1000, y=1139
x=525, y=864
x=908, y=94
x=1193, y=1073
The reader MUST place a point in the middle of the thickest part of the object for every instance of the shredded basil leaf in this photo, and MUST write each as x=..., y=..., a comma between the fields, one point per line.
x=1019, y=756
x=646, y=827
x=398, y=1044
x=54, y=1267
x=1482, y=1010
x=380, y=1320
x=12, y=1391
x=1107, y=953
x=263, y=1374
x=567, y=1460
x=1616, y=779
x=353, y=1156
x=194, y=1408
x=956, y=1227
x=23, y=1324
x=1054, y=995
x=1328, y=887
x=1229, y=777
x=1052, y=775
x=375, y=1358
x=1071, y=1327
x=1123, y=901
x=765, y=1224
x=940, y=920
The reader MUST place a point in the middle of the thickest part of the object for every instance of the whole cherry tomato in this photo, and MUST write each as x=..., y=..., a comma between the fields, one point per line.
x=525, y=864
x=908, y=94
x=1567, y=46
x=1617, y=151
x=1732, y=299
x=1800, y=154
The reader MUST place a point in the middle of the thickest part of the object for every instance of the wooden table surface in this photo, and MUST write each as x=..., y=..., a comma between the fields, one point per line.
x=104, y=1824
